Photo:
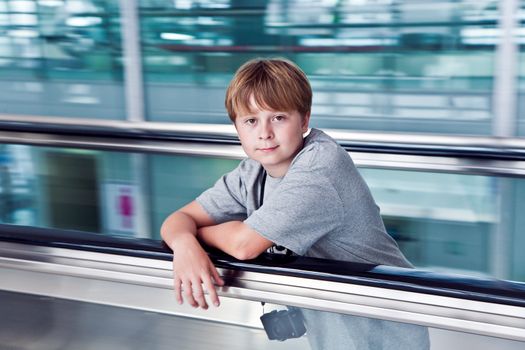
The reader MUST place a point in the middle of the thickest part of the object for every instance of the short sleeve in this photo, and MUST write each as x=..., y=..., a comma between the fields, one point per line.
x=300, y=211
x=225, y=200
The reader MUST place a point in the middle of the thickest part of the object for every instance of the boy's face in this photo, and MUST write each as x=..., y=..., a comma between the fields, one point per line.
x=272, y=138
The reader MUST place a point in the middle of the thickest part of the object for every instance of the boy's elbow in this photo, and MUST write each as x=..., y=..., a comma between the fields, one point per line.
x=164, y=230
x=245, y=255
x=248, y=244
x=245, y=251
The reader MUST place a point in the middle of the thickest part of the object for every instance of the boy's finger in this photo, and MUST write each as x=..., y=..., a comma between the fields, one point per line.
x=188, y=293
x=212, y=293
x=198, y=294
x=177, y=289
x=218, y=280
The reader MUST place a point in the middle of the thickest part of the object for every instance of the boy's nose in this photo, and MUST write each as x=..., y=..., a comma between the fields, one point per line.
x=265, y=131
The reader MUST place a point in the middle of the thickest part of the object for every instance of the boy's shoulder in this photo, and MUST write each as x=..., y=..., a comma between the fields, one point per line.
x=318, y=137
x=320, y=151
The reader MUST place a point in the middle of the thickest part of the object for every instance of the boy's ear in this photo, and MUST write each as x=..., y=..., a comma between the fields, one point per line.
x=306, y=121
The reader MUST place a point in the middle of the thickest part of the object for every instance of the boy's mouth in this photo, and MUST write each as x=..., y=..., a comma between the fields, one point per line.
x=268, y=149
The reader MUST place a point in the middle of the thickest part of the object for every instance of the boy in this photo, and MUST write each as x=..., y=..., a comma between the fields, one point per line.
x=301, y=193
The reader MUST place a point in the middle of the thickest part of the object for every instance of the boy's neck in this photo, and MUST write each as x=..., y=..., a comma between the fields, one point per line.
x=274, y=177
x=276, y=173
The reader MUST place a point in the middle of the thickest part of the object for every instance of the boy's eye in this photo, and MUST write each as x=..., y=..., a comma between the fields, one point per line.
x=250, y=121
x=278, y=117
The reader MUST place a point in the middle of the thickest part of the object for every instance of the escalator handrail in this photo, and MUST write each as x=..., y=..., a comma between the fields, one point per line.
x=489, y=290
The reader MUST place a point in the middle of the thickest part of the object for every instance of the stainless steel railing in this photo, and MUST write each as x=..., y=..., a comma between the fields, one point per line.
x=458, y=154
x=107, y=279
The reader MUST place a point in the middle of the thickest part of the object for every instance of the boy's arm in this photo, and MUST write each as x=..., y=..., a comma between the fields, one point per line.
x=234, y=238
x=191, y=265
x=185, y=220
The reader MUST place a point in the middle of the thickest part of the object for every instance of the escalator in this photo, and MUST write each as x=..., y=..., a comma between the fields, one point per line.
x=68, y=289
x=105, y=285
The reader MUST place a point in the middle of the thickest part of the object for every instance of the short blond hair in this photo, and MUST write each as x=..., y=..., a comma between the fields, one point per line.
x=275, y=84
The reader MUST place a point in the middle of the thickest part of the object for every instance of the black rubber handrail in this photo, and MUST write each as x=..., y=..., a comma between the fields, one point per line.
x=414, y=280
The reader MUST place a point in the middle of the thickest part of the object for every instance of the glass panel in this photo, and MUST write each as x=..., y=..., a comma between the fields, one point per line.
x=176, y=181
x=441, y=221
x=31, y=322
x=373, y=65
x=99, y=191
x=61, y=58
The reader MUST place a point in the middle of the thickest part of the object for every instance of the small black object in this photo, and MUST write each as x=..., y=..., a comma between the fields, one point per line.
x=283, y=324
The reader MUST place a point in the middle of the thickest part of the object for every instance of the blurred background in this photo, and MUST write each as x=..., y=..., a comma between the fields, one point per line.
x=430, y=68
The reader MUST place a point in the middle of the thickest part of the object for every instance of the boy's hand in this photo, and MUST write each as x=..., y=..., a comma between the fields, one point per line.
x=191, y=269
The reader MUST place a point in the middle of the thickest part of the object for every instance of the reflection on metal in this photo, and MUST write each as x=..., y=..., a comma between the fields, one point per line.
x=433, y=163
x=49, y=123
x=127, y=145
x=45, y=323
x=420, y=141
x=50, y=267
x=439, y=164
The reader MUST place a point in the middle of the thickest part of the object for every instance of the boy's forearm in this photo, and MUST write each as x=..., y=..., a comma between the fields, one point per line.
x=176, y=225
x=222, y=236
x=234, y=238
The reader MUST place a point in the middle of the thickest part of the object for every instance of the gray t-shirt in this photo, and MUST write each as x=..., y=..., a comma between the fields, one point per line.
x=321, y=208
